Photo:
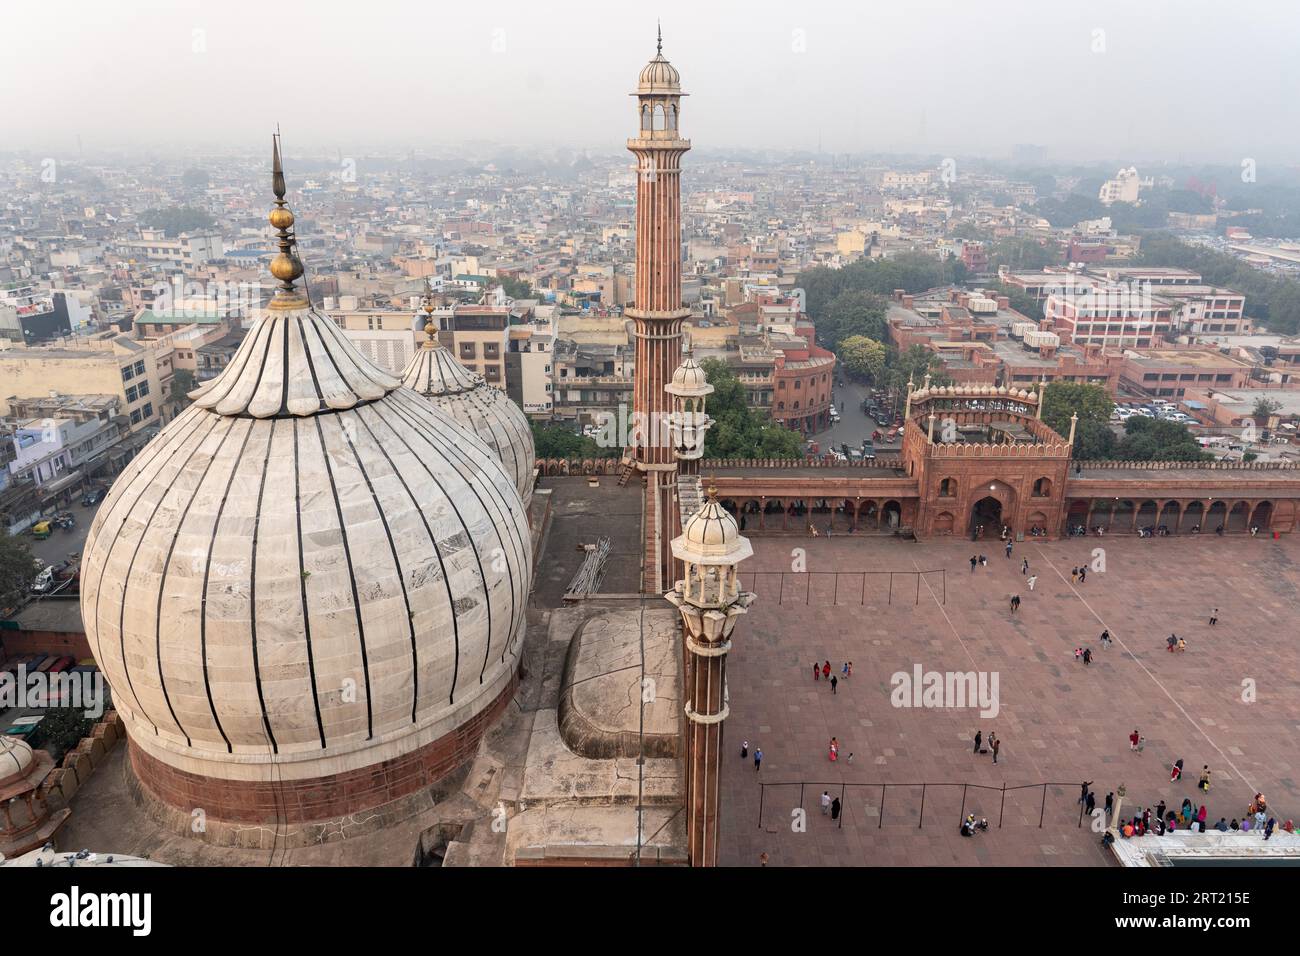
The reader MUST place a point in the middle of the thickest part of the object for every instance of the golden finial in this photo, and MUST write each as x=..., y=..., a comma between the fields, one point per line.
x=659, y=48
x=286, y=266
x=712, y=491
x=430, y=327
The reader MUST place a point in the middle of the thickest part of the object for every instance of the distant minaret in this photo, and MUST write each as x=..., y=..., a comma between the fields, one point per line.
x=658, y=312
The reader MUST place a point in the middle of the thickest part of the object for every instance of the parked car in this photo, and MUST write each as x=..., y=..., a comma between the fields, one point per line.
x=92, y=497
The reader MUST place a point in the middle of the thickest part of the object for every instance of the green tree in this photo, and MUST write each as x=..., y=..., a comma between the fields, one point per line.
x=182, y=384
x=852, y=313
x=1150, y=439
x=177, y=220
x=17, y=568
x=560, y=441
x=862, y=356
x=61, y=729
x=1264, y=409
x=517, y=288
x=739, y=431
x=1061, y=400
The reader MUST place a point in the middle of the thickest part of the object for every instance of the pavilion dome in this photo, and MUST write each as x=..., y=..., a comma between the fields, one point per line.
x=469, y=400
x=16, y=758
x=310, y=570
x=689, y=380
x=659, y=76
x=711, y=536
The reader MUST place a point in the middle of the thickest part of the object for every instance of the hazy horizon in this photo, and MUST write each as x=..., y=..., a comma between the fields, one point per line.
x=1178, y=82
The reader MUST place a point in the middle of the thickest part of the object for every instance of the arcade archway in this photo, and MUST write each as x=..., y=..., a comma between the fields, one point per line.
x=987, y=514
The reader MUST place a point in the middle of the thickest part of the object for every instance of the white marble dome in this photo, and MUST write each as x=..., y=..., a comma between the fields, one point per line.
x=711, y=536
x=308, y=571
x=485, y=411
x=16, y=758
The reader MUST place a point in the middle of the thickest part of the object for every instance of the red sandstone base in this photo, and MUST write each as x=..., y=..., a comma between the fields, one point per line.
x=317, y=809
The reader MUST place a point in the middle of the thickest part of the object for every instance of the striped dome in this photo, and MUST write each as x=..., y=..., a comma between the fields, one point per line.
x=485, y=411
x=308, y=571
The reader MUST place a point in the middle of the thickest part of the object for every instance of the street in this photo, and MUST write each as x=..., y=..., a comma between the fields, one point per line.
x=853, y=425
x=61, y=543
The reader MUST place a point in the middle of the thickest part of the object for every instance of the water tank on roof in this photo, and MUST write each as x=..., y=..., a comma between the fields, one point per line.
x=1036, y=339
x=981, y=305
x=1019, y=329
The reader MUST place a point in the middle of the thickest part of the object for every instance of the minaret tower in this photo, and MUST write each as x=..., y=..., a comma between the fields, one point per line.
x=658, y=313
x=711, y=601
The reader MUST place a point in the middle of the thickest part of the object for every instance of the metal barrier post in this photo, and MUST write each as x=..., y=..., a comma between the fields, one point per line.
x=920, y=822
x=762, y=792
x=1003, y=807
x=881, y=822
x=1043, y=811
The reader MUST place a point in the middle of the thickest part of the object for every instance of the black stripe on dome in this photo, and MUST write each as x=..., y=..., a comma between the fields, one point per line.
x=451, y=501
x=203, y=607
x=302, y=587
x=352, y=578
x=392, y=547
x=166, y=567
x=504, y=514
x=156, y=451
x=126, y=580
x=252, y=590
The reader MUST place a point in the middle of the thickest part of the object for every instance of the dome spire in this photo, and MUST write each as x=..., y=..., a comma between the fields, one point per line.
x=286, y=267
x=659, y=46
x=426, y=304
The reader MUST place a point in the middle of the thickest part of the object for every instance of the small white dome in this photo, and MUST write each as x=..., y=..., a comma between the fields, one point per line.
x=16, y=758
x=711, y=536
x=659, y=76
x=689, y=380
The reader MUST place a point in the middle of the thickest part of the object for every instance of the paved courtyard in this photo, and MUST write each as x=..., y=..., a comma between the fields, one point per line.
x=1059, y=721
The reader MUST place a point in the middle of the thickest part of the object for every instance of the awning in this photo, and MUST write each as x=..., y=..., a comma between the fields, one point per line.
x=61, y=484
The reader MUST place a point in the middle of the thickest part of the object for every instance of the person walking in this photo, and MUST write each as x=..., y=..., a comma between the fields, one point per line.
x=845, y=670
x=1084, y=790
x=1083, y=573
x=1033, y=579
x=1214, y=617
x=996, y=745
x=1087, y=655
x=979, y=739
x=758, y=759
x=1110, y=804
x=1015, y=603
x=744, y=749
x=835, y=809
x=826, y=670
x=1090, y=804
x=974, y=560
x=826, y=802
x=1176, y=770
x=817, y=671
x=1105, y=638
x=835, y=681
x=1024, y=566
x=1133, y=739
x=1142, y=744
x=1204, y=782
x=849, y=671
x=1008, y=548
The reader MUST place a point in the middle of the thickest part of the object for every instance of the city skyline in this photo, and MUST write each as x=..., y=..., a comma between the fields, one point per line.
x=884, y=80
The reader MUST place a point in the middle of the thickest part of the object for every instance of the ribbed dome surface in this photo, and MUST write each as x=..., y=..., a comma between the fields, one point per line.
x=659, y=76
x=488, y=412
x=690, y=379
x=16, y=757
x=308, y=570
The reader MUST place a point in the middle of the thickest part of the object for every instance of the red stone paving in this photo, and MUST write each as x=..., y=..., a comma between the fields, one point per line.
x=1060, y=721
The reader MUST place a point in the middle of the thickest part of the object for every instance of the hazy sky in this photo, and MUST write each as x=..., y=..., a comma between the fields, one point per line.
x=1137, y=79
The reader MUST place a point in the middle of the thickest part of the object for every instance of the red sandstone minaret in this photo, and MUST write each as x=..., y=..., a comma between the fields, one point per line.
x=658, y=313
